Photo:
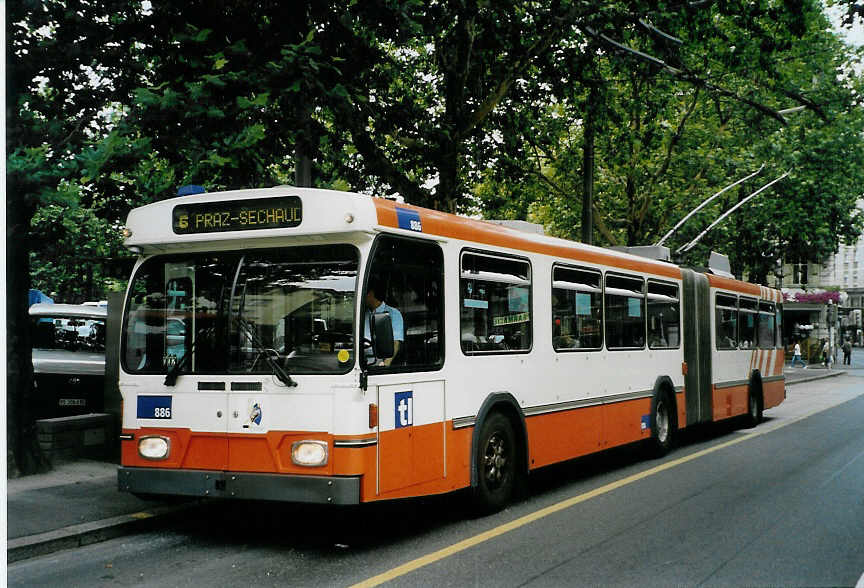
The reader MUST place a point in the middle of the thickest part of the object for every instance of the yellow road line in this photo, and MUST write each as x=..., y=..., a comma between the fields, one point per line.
x=141, y=515
x=564, y=504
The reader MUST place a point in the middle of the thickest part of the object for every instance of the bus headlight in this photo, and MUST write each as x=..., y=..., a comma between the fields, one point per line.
x=309, y=453
x=154, y=447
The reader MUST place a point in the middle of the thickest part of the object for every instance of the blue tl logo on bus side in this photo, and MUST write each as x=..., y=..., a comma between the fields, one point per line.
x=404, y=406
x=409, y=219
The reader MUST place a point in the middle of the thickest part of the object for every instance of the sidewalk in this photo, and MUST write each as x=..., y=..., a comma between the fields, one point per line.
x=798, y=375
x=77, y=503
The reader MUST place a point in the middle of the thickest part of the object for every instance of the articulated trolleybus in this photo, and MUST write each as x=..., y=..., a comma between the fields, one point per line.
x=315, y=346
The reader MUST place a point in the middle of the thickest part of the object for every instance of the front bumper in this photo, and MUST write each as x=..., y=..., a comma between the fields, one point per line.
x=241, y=485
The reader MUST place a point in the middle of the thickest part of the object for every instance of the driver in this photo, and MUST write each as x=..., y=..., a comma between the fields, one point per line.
x=374, y=305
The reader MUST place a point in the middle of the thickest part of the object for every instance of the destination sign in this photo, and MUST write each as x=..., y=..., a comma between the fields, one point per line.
x=237, y=215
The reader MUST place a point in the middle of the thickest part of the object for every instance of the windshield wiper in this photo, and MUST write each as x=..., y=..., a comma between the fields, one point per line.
x=174, y=372
x=266, y=352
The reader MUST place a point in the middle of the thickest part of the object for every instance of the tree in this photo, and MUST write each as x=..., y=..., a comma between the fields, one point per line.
x=668, y=140
x=59, y=61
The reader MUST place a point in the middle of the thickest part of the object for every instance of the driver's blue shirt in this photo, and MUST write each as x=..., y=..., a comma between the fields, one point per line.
x=395, y=320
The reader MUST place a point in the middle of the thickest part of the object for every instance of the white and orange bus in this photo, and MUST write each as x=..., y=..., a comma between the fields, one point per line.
x=316, y=346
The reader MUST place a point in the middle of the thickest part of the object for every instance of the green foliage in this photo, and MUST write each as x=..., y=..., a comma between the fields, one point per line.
x=472, y=107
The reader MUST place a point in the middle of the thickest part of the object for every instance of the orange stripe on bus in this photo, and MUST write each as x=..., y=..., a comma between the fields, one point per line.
x=452, y=226
x=732, y=284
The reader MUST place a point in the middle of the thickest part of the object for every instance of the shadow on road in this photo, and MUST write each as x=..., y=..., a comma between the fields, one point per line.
x=335, y=530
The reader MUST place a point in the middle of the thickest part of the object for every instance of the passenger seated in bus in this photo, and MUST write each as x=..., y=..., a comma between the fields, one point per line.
x=657, y=340
x=375, y=305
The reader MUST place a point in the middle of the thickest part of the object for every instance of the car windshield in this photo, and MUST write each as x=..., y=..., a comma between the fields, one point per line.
x=238, y=312
x=69, y=334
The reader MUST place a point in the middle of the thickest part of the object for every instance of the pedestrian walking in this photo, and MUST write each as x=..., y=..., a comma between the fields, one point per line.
x=796, y=355
x=847, y=352
x=826, y=354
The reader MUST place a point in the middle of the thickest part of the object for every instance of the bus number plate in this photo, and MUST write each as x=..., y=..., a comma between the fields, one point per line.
x=154, y=407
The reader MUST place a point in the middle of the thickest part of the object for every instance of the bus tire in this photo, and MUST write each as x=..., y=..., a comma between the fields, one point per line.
x=496, y=463
x=662, y=423
x=754, y=405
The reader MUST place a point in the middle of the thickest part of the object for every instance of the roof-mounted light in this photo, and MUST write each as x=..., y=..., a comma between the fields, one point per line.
x=190, y=190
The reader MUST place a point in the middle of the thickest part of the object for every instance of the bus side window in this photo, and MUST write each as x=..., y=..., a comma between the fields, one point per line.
x=726, y=321
x=577, y=309
x=747, y=322
x=495, y=303
x=766, y=330
x=625, y=312
x=664, y=316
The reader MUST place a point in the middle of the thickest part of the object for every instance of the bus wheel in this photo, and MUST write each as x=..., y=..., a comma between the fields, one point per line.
x=495, y=461
x=754, y=409
x=661, y=425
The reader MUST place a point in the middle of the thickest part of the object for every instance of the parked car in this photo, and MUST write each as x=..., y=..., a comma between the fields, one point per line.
x=68, y=358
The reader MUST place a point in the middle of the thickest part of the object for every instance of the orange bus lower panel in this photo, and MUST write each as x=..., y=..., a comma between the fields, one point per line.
x=574, y=433
x=681, y=405
x=729, y=402
x=431, y=472
x=564, y=435
x=199, y=450
x=423, y=459
x=626, y=422
x=773, y=393
x=195, y=450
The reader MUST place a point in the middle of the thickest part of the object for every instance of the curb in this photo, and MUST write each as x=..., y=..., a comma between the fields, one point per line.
x=828, y=374
x=73, y=536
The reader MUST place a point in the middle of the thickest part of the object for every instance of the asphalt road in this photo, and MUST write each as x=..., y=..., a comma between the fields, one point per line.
x=782, y=504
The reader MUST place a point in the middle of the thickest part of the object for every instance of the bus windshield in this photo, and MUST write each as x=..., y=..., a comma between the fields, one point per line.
x=237, y=312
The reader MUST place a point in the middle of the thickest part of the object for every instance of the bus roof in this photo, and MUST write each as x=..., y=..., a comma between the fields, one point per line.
x=317, y=212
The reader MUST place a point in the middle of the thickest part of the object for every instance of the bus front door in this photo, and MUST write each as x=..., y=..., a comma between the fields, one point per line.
x=411, y=440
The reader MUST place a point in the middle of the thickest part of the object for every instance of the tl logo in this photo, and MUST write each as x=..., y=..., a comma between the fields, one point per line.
x=404, y=405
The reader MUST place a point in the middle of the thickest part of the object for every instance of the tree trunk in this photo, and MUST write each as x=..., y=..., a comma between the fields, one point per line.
x=24, y=455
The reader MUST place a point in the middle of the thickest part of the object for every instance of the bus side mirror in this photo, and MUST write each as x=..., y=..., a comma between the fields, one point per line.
x=382, y=328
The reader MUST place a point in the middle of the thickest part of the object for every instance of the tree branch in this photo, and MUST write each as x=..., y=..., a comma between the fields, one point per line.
x=376, y=160
x=679, y=132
